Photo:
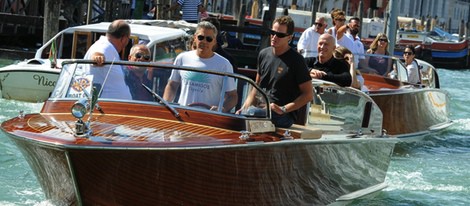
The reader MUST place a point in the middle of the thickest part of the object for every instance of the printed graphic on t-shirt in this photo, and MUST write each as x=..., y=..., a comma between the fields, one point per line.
x=197, y=82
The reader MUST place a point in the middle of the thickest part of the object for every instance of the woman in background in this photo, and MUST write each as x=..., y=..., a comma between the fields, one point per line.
x=377, y=64
x=411, y=64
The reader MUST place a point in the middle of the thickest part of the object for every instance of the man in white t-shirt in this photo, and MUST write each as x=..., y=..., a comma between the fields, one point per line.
x=201, y=88
x=307, y=45
x=107, y=48
x=339, y=29
x=354, y=26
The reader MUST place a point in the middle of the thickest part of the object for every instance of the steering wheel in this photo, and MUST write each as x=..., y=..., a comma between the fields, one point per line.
x=199, y=104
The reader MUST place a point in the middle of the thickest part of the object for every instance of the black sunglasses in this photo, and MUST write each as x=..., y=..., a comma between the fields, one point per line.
x=208, y=38
x=318, y=24
x=407, y=53
x=142, y=56
x=278, y=34
x=383, y=40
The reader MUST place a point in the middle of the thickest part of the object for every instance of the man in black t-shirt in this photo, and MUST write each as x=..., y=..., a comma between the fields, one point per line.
x=327, y=67
x=283, y=74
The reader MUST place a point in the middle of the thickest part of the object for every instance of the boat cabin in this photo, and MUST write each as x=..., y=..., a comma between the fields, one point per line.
x=165, y=42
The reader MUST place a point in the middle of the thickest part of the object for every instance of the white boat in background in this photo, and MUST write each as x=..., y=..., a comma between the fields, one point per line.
x=33, y=80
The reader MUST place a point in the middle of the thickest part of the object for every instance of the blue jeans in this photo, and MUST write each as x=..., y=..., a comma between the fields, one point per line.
x=284, y=120
x=278, y=120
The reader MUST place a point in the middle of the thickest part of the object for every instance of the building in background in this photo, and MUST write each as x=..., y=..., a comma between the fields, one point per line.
x=448, y=14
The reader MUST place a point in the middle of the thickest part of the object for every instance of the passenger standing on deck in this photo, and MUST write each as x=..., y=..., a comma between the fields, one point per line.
x=327, y=67
x=190, y=9
x=354, y=26
x=411, y=64
x=193, y=90
x=282, y=73
x=220, y=41
x=307, y=45
x=108, y=48
x=339, y=29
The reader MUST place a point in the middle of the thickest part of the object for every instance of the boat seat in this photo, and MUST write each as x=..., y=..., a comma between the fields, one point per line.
x=302, y=132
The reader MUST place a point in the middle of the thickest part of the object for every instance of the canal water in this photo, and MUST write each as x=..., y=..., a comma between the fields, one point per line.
x=432, y=171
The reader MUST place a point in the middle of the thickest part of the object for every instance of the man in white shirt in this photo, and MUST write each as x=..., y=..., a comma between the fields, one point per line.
x=200, y=87
x=108, y=48
x=358, y=46
x=307, y=45
x=339, y=28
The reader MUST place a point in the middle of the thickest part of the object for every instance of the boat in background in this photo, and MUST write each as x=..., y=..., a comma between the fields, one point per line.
x=408, y=109
x=33, y=80
x=145, y=152
x=245, y=41
x=438, y=47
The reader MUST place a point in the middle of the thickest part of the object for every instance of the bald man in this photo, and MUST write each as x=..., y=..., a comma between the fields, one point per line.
x=327, y=67
x=107, y=48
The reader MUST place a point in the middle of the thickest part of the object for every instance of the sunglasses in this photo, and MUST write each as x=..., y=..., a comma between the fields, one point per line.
x=278, y=34
x=385, y=40
x=340, y=19
x=407, y=53
x=208, y=38
x=142, y=56
x=318, y=24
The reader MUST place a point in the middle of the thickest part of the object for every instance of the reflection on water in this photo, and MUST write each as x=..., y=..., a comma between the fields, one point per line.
x=19, y=185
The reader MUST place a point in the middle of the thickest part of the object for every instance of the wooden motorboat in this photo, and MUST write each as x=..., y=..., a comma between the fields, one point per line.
x=33, y=80
x=130, y=152
x=437, y=47
x=409, y=109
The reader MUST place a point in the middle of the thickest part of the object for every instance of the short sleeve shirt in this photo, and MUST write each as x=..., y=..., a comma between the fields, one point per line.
x=201, y=87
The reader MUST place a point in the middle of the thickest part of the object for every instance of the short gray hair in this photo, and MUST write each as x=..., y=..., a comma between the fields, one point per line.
x=206, y=25
x=137, y=47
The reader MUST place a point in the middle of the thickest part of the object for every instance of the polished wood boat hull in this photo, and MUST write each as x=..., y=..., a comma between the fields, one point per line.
x=409, y=109
x=295, y=172
x=186, y=163
x=413, y=111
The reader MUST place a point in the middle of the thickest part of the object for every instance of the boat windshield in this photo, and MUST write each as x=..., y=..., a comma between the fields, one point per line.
x=383, y=65
x=192, y=88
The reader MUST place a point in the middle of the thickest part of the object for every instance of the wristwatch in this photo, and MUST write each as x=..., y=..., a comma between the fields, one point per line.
x=283, y=109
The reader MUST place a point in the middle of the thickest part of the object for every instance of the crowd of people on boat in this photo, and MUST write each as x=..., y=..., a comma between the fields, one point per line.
x=284, y=73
